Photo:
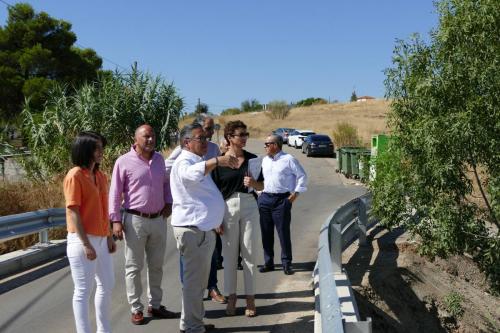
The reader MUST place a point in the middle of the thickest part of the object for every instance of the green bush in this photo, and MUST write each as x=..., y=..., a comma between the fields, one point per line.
x=345, y=134
x=114, y=106
x=278, y=110
x=453, y=303
x=230, y=111
x=311, y=101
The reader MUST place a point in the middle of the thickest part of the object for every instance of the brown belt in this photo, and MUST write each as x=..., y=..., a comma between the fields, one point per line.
x=138, y=213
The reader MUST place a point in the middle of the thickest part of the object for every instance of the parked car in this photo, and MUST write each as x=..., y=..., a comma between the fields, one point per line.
x=283, y=132
x=297, y=137
x=318, y=144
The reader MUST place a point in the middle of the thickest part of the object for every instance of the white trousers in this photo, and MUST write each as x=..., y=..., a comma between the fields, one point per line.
x=85, y=274
x=241, y=229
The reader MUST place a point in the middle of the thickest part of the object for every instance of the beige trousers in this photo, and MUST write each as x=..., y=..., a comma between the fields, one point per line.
x=196, y=247
x=241, y=230
x=144, y=236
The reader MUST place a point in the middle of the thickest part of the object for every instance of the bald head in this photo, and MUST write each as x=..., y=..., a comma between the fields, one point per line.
x=144, y=140
x=144, y=127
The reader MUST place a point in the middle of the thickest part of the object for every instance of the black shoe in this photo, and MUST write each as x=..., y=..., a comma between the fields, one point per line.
x=208, y=327
x=288, y=270
x=240, y=267
x=265, y=269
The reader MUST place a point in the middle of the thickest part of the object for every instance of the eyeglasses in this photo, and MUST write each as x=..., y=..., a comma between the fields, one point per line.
x=267, y=144
x=207, y=129
x=201, y=139
x=242, y=135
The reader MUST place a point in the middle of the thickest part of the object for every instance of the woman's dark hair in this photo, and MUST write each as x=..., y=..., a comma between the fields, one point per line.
x=83, y=148
x=231, y=127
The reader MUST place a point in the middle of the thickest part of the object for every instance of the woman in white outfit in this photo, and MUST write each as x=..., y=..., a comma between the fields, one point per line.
x=90, y=243
x=240, y=227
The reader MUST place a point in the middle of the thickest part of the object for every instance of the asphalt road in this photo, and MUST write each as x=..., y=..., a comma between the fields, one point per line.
x=40, y=301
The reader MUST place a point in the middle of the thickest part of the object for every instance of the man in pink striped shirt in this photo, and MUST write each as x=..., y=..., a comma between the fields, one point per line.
x=141, y=187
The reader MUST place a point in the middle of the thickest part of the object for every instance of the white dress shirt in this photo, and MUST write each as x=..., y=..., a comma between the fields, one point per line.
x=283, y=173
x=213, y=151
x=196, y=199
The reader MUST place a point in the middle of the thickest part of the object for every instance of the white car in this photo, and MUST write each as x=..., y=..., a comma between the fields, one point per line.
x=296, y=138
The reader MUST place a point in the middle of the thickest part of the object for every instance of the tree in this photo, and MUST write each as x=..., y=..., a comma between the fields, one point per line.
x=251, y=105
x=36, y=51
x=115, y=106
x=445, y=120
x=354, y=98
x=201, y=108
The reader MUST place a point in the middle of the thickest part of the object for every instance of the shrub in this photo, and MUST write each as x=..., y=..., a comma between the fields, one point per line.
x=453, y=303
x=278, y=110
x=311, y=101
x=114, y=106
x=345, y=134
x=230, y=111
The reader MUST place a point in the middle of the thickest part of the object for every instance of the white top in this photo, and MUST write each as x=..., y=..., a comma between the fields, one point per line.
x=283, y=173
x=213, y=151
x=196, y=199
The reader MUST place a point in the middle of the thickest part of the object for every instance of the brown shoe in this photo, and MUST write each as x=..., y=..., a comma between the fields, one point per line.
x=162, y=312
x=231, y=305
x=216, y=296
x=137, y=318
x=250, y=311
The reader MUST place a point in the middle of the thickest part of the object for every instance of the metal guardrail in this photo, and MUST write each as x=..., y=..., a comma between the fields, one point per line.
x=341, y=229
x=40, y=221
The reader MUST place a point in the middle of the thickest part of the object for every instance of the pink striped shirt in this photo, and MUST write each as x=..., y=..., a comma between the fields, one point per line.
x=138, y=184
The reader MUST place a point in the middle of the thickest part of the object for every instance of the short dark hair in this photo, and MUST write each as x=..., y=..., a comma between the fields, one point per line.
x=231, y=127
x=278, y=139
x=84, y=146
x=187, y=131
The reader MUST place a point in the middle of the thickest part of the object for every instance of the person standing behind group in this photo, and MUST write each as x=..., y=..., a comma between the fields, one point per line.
x=198, y=208
x=90, y=244
x=241, y=217
x=140, y=185
x=284, y=180
x=207, y=124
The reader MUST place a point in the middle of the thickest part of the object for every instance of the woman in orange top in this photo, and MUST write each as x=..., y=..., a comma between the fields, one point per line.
x=89, y=238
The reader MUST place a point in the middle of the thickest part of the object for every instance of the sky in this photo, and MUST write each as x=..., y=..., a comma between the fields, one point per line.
x=224, y=52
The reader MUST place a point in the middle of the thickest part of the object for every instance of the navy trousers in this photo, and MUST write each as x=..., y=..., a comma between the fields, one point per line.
x=275, y=211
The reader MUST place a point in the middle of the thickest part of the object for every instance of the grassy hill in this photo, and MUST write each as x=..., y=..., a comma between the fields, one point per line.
x=368, y=117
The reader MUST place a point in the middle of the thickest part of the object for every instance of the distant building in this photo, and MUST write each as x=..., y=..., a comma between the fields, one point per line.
x=364, y=98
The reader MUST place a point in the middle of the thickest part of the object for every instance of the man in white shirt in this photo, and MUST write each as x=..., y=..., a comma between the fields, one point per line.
x=284, y=180
x=198, y=208
x=213, y=150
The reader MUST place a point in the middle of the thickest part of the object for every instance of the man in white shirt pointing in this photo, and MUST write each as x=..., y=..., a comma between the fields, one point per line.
x=284, y=180
x=198, y=208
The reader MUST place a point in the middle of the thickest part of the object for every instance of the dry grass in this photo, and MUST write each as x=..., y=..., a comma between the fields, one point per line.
x=24, y=197
x=368, y=117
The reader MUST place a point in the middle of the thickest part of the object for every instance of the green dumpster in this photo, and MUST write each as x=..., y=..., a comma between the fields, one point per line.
x=379, y=144
x=346, y=161
x=364, y=165
x=339, y=160
x=356, y=153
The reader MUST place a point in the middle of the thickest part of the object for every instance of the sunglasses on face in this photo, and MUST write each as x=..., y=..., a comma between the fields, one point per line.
x=201, y=139
x=267, y=144
x=242, y=135
x=207, y=129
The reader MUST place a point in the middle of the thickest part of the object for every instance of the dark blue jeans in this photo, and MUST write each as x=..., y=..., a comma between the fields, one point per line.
x=212, y=278
x=275, y=211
